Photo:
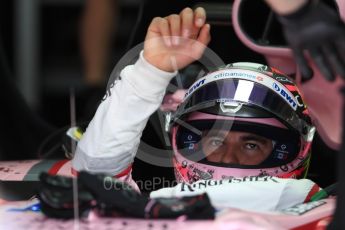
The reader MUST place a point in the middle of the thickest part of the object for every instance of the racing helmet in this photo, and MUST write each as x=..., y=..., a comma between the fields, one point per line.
x=249, y=108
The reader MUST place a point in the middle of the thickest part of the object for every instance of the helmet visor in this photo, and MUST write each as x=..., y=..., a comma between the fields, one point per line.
x=240, y=98
x=232, y=143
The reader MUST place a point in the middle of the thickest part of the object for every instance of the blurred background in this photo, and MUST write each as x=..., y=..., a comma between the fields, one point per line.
x=48, y=44
x=49, y=47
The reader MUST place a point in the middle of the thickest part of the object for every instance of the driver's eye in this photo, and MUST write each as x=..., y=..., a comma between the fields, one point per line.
x=251, y=146
x=216, y=142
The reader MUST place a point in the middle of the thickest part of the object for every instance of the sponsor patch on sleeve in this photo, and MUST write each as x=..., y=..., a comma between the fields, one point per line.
x=301, y=209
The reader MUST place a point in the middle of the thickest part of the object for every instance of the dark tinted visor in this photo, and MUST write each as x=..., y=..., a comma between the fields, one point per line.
x=282, y=145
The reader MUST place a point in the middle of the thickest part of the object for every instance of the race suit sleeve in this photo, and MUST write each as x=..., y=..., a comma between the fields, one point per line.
x=112, y=138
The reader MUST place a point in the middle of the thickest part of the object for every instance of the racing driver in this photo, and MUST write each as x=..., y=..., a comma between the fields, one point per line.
x=242, y=132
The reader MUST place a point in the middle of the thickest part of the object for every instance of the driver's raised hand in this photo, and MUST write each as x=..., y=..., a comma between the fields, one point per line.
x=177, y=40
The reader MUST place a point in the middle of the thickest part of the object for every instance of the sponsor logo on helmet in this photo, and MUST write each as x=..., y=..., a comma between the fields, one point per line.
x=195, y=86
x=259, y=78
x=234, y=74
x=250, y=76
x=284, y=168
x=288, y=98
x=283, y=79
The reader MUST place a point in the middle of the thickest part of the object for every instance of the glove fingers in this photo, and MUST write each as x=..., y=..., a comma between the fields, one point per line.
x=322, y=64
x=113, y=195
x=306, y=71
x=56, y=197
x=334, y=59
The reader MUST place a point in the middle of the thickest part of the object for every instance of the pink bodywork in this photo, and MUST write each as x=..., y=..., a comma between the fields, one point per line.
x=322, y=97
x=227, y=219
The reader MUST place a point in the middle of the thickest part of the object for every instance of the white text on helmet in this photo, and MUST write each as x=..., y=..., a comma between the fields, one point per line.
x=286, y=96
